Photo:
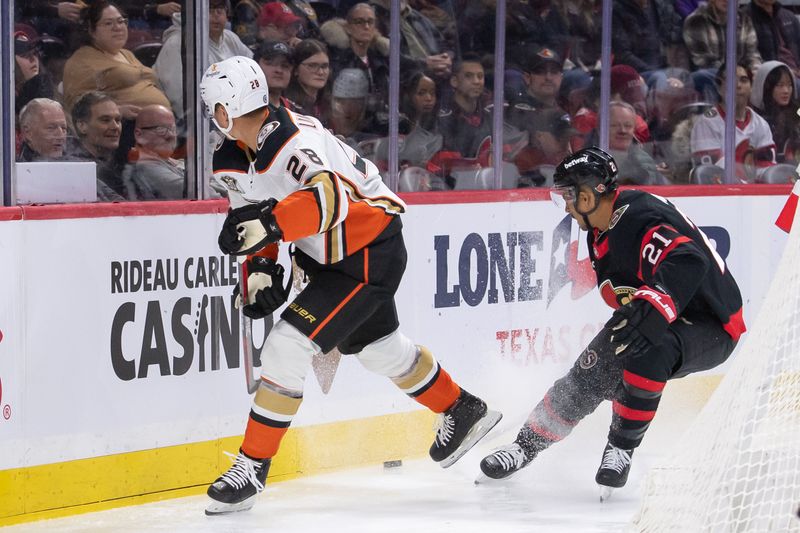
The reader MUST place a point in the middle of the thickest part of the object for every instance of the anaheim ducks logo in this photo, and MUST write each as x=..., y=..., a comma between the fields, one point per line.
x=265, y=131
x=588, y=359
x=616, y=297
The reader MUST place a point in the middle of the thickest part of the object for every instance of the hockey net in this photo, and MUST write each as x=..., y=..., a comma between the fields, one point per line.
x=737, y=467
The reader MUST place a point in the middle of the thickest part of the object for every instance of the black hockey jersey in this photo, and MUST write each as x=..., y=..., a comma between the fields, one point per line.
x=653, y=248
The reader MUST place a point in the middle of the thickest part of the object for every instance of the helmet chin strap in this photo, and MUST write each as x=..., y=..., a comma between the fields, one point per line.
x=585, y=215
x=225, y=131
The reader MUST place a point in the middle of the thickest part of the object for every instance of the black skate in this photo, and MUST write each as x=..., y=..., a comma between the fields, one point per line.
x=236, y=489
x=613, y=471
x=506, y=460
x=461, y=427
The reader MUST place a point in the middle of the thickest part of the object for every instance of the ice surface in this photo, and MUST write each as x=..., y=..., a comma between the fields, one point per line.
x=556, y=493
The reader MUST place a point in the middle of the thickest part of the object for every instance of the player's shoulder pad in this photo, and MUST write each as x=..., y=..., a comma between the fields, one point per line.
x=710, y=112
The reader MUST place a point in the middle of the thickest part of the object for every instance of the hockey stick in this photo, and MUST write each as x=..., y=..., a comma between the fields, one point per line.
x=247, y=330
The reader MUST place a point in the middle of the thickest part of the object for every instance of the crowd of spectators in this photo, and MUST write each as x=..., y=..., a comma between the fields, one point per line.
x=102, y=81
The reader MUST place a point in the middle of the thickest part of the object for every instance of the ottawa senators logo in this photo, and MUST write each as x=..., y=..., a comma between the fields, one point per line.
x=615, y=297
x=588, y=359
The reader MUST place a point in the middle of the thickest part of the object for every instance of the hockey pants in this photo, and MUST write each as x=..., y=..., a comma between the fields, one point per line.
x=349, y=305
x=633, y=385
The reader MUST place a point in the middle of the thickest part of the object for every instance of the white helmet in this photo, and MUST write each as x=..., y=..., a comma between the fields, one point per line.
x=238, y=84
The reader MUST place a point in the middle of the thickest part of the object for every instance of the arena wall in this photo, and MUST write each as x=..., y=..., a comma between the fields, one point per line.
x=120, y=358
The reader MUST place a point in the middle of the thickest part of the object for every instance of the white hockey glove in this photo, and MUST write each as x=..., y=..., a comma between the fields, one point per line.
x=248, y=229
x=264, y=287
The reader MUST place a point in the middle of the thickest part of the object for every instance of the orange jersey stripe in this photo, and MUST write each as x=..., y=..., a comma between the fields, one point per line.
x=297, y=215
x=364, y=223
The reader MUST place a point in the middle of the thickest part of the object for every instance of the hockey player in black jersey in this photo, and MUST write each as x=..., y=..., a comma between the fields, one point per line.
x=678, y=310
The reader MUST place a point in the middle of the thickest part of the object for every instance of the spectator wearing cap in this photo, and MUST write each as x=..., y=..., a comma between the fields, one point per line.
x=30, y=80
x=309, y=87
x=549, y=142
x=354, y=42
x=704, y=35
x=275, y=59
x=349, y=106
x=277, y=22
x=636, y=167
x=222, y=44
x=542, y=75
x=244, y=21
x=155, y=175
x=246, y=14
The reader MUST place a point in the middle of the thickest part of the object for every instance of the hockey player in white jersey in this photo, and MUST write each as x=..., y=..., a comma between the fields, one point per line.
x=290, y=180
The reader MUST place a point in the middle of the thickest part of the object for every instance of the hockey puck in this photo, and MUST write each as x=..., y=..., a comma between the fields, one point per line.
x=393, y=464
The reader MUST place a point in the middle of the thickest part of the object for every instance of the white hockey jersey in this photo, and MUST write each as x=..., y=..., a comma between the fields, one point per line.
x=754, y=144
x=331, y=202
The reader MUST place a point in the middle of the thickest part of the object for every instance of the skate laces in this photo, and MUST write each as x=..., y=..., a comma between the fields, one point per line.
x=616, y=459
x=510, y=456
x=242, y=472
x=444, y=427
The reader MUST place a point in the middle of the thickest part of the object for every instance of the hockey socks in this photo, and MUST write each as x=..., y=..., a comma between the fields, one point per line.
x=271, y=415
x=428, y=383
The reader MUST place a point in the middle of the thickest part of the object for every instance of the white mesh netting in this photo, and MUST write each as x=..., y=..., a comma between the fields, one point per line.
x=737, y=467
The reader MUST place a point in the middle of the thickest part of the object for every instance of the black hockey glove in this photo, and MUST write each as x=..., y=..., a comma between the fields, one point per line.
x=248, y=229
x=641, y=323
x=265, y=289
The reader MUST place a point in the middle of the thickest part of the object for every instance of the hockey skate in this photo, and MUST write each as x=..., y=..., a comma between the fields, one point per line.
x=236, y=489
x=461, y=427
x=506, y=461
x=613, y=471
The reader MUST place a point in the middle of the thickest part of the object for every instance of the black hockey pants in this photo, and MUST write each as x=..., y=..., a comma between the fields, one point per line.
x=634, y=385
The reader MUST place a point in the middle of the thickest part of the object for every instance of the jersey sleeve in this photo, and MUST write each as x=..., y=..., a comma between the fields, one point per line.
x=672, y=264
x=321, y=202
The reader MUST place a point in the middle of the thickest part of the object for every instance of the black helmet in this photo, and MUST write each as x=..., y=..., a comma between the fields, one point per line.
x=592, y=167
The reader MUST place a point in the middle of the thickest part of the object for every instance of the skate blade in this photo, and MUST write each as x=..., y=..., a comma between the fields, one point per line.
x=605, y=492
x=219, y=508
x=478, y=431
x=483, y=479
